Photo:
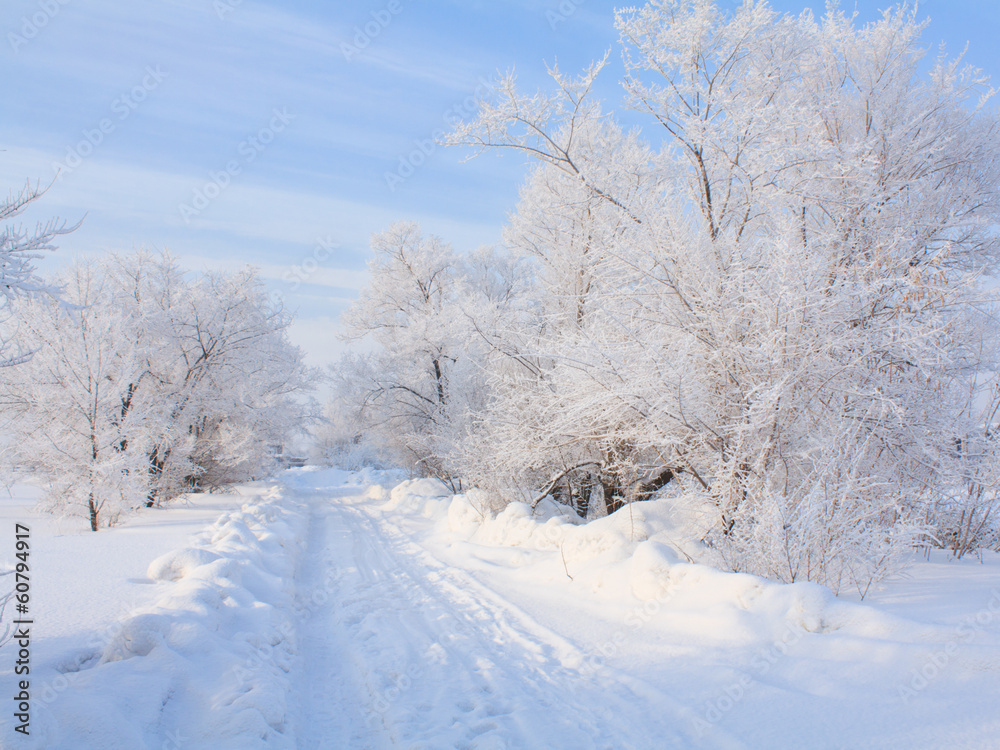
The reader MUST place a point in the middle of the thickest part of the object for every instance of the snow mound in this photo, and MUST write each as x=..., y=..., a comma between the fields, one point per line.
x=179, y=563
x=426, y=497
x=377, y=492
x=137, y=637
x=649, y=572
x=553, y=527
x=209, y=661
x=635, y=555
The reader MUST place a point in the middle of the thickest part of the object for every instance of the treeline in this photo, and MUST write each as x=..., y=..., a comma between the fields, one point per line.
x=137, y=382
x=777, y=312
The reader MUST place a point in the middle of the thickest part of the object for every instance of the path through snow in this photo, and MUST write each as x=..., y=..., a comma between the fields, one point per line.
x=399, y=650
x=331, y=614
x=426, y=639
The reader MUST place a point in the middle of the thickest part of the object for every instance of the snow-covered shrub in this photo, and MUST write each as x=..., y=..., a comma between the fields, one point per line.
x=967, y=522
x=966, y=516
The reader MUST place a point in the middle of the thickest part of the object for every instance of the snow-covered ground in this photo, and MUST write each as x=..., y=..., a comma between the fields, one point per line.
x=329, y=610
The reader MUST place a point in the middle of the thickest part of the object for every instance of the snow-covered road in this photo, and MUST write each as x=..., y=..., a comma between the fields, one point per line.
x=330, y=613
x=418, y=638
x=400, y=650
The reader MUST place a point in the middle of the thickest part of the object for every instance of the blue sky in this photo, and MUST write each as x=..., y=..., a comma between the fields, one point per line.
x=239, y=131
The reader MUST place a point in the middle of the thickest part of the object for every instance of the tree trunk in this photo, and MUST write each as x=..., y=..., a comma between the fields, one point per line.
x=582, y=504
x=646, y=490
x=156, y=464
x=93, y=513
x=562, y=492
x=555, y=481
x=439, y=378
x=92, y=500
x=613, y=495
x=736, y=500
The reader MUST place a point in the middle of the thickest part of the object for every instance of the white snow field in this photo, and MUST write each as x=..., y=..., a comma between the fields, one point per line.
x=326, y=611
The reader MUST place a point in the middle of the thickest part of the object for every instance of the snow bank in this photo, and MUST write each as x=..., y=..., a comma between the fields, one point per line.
x=177, y=564
x=207, y=665
x=632, y=557
x=550, y=527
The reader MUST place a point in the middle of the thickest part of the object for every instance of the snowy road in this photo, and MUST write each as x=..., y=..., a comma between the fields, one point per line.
x=330, y=613
x=399, y=650
x=415, y=638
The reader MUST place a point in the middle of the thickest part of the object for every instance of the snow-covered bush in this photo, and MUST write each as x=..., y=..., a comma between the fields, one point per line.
x=966, y=516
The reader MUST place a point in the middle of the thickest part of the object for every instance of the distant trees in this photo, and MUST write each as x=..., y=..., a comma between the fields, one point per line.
x=145, y=383
x=66, y=405
x=778, y=312
x=414, y=394
x=424, y=323
x=410, y=310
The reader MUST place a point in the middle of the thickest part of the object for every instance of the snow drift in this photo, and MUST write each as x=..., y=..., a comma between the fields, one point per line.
x=206, y=666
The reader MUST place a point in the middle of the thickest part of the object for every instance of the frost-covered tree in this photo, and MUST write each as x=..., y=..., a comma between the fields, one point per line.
x=20, y=248
x=965, y=515
x=773, y=310
x=67, y=404
x=426, y=322
x=409, y=312
x=145, y=383
x=221, y=369
x=340, y=436
x=571, y=227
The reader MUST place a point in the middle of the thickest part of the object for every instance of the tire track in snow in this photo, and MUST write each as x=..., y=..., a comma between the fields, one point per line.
x=451, y=663
x=329, y=690
x=410, y=652
x=560, y=655
x=429, y=681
